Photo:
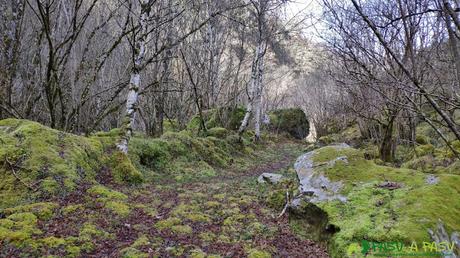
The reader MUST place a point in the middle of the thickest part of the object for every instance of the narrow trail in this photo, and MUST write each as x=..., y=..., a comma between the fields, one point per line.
x=227, y=216
x=224, y=216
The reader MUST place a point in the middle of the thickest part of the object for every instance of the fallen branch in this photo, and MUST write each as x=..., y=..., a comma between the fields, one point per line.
x=12, y=168
x=288, y=203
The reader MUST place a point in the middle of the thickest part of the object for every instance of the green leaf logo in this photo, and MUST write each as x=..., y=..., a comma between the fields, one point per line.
x=365, y=246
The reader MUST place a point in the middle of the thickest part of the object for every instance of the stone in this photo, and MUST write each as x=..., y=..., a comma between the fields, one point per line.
x=313, y=184
x=271, y=178
x=431, y=179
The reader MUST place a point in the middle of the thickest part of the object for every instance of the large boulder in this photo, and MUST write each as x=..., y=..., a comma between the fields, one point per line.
x=291, y=120
x=364, y=201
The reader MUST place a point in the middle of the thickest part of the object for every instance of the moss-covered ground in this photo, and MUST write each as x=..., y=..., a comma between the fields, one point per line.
x=176, y=196
x=183, y=195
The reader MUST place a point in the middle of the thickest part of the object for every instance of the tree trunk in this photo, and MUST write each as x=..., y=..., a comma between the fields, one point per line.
x=452, y=42
x=254, y=94
x=134, y=83
x=387, y=144
x=252, y=89
x=258, y=97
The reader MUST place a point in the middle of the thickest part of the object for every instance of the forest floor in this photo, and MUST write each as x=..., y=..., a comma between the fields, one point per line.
x=221, y=216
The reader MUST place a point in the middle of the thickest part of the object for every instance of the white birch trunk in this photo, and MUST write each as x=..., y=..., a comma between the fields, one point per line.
x=252, y=89
x=258, y=96
x=255, y=91
x=135, y=81
x=311, y=138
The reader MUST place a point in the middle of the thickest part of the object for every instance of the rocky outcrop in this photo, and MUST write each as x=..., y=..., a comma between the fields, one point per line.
x=345, y=198
x=313, y=184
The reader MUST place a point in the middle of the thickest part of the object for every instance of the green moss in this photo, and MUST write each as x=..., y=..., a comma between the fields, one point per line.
x=131, y=252
x=89, y=231
x=207, y=237
x=454, y=168
x=118, y=208
x=175, y=250
x=181, y=229
x=422, y=139
x=167, y=223
x=423, y=150
x=53, y=162
x=218, y=132
x=170, y=125
x=19, y=228
x=197, y=217
x=141, y=241
x=190, y=212
x=151, y=211
x=197, y=253
x=212, y=204
x=123, y=170
x=255, y=253
x=73, y=251
x=326, y=140
x=219, y=197
x=424, y=163
x=183, y=156
x=43, y=210
x=71, y=208
x=53, y=242
x=101, y=191
x=276, y=199
x=226, y=117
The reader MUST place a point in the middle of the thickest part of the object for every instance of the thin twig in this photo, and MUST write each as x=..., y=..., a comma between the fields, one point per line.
x=288, y=203
x=12, y=166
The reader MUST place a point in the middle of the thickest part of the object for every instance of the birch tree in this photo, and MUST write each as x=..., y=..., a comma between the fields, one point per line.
x=138, y=51
x=260, y=8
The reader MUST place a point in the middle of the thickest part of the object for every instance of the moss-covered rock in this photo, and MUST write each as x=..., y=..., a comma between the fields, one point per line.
x=35, y=157
x=292, y=121
x=404, y=213
x=40, y=162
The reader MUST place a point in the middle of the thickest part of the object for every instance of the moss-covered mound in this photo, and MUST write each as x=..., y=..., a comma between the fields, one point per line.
x=292, y=121
x=39, y=162
x=385, y=204
x=184, y=157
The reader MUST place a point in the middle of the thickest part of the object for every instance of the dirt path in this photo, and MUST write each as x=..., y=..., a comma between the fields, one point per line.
x=224, y=216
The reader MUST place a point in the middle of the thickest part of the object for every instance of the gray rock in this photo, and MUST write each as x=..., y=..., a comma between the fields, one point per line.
x=314, y=185
x=431, y=179
x=269, y=178
x=439, y=235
